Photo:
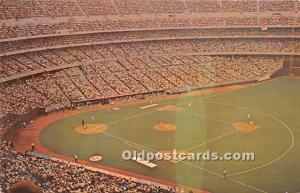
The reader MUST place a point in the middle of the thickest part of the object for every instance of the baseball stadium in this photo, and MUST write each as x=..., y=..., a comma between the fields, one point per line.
x=150, y=96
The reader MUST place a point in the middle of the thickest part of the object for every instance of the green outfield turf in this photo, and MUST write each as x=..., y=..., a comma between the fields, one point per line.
x=206, y=124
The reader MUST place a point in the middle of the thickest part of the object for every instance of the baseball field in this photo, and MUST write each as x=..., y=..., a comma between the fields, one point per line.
x=217, y=121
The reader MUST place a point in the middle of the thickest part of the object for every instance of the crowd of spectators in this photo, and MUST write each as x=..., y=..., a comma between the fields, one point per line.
x=47, y=59
x=55, y=176
x=71, y=16
x=277, y=19
x=63, y=26
x=98, y=79
x=20, y=98
x=56, y=8
x=118, y=37
x=278, y=6
x=240, y=6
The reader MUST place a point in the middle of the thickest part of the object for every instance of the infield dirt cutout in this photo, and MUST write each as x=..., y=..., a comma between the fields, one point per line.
x=164, y=127
x=245, y=127
x=91, y=128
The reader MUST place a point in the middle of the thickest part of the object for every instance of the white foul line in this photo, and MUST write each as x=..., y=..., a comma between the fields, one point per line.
x=206, y=142
x=229, y=179
x=272, y=117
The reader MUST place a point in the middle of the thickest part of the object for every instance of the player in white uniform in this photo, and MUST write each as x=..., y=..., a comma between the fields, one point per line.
x=225, y=173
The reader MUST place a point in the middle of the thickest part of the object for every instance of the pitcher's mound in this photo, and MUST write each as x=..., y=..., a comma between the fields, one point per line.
x=245, y=127
x=164, y=127
x=91, y=128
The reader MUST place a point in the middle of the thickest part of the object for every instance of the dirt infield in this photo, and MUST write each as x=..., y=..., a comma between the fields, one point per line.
x=91, y=128
x=164, y=127
x=245, y=127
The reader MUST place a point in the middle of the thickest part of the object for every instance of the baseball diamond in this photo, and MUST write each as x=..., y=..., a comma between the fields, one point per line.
x=149, y=96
